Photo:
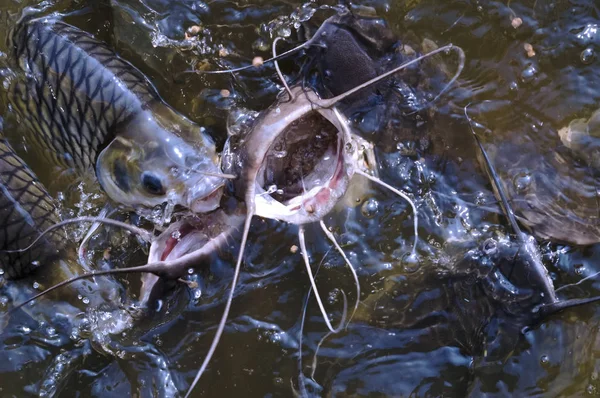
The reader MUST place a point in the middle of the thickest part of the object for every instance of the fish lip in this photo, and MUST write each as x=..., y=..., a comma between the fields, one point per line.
x=206, y=203
x=207, y=233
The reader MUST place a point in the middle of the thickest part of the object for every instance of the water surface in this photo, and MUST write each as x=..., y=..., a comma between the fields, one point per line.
x=440, y=326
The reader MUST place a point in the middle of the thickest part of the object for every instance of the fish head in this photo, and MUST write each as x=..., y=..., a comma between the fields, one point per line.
x=296, y=162
x=150, y=162
x=200, y=236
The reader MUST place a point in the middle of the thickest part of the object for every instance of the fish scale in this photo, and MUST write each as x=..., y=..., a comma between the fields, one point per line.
x=26, y=209
x=61, y=63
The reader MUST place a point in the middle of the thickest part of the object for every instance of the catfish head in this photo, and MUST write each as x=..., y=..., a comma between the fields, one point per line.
x=201, y=236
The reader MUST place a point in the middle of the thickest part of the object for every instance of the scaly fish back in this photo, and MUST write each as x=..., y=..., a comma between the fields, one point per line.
x=26, y=210
x=72, y=91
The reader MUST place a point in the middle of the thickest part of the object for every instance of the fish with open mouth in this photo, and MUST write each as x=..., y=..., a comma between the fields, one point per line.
x=86, y=108
x=295, y=163
x=96, y=315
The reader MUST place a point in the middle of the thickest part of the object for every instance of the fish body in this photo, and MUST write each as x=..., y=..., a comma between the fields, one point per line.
x=26, y=210
x=86, y=108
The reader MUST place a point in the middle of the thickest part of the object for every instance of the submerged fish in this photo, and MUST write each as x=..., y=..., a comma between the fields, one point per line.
x=83, y=107
x=26, y=209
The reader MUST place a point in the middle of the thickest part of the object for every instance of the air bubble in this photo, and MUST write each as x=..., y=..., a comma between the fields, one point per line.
x=490, y=247
x=544, y=360
x=522, y=181
x=369, y=208
x=587, y=56
x=528, y=74
x=410, y=263
x=285, y=31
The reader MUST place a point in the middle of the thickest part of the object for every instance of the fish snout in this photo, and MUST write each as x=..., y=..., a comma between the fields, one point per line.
x=206, y=195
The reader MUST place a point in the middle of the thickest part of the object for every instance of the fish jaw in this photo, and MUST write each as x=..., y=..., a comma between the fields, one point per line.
x=330, y=176
x=199, y=201
x=201, y=235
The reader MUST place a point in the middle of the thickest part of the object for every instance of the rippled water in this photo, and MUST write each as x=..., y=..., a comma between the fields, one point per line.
x=438, y=326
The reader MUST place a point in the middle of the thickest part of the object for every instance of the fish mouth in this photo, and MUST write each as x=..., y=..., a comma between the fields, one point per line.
x=305, y=171
x=202, y=235
x=207, y=203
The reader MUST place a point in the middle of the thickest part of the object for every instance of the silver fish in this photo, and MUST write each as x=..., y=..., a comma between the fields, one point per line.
x=84, y=107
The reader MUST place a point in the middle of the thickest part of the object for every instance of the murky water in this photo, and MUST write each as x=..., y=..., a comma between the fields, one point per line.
x=438, y=326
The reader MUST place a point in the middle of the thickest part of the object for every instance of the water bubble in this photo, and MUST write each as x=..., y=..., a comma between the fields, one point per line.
x=36, y=285
x=522, y=181
x=410, y=263
x=369, y=208
x=591, y=390
x=197, y=294
x=544, y=360
x=333, y=296
x=513, y=86
x=86, y=300
x=490, y=247
x=176, y=234
x=587, y=56
x=284, y=31
x=190, y=271
x=528, y=74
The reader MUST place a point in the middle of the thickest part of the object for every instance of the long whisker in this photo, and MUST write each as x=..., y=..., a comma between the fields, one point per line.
x=312, y=279
x=328, y=103
x=209, y=174
x=221, y=327
x=172, y=269
x=133, y=229
x=287, y=88
x=352, y=270
x=403, y=196
x=92, y=274
x=82, y=247
x=242, y=68
x=339, y=328
x=578, y=282
x=301, y=383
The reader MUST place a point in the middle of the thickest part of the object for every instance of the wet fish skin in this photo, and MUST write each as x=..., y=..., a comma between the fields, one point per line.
x=26, y=209
x=75, y=96
x=68, y=97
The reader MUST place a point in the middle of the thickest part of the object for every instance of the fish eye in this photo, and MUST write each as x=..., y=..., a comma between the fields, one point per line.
x=152, y=184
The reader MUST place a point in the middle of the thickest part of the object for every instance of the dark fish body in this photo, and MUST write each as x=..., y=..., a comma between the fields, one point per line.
x=85, y=108
x=75, y=92
x=26, y=209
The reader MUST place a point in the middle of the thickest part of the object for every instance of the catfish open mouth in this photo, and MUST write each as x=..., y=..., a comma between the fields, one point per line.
x=304, y=171
x=201, y=235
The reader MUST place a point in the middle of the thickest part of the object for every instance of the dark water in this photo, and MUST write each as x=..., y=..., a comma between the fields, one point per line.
x=440, y=326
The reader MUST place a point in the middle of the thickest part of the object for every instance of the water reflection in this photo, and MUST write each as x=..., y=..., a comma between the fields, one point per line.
x=447, y=325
